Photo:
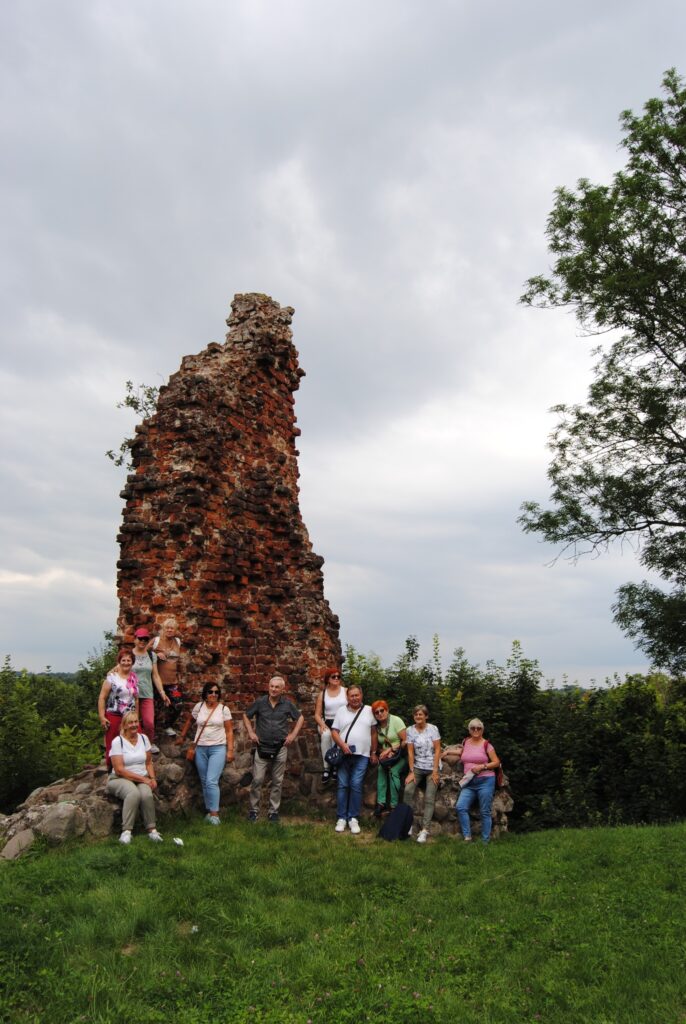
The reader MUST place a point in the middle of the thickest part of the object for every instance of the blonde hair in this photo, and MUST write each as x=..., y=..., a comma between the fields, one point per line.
x=171, y=621
x=126, y=718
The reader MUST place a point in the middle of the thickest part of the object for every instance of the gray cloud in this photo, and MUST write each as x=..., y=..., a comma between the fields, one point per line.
x=387, y=170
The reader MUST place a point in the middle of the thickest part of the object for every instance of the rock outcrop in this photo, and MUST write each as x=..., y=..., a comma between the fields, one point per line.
x=81, y=807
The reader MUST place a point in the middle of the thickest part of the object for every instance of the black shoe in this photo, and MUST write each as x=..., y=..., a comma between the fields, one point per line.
x=252, y=815
x=326, y=777
x=379, y=809
x=273, y=816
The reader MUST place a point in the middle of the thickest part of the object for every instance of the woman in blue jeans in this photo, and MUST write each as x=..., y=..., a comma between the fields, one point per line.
x=479, y=760
x=213, y=745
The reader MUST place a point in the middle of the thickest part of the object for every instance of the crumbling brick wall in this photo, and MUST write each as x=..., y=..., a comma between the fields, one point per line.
x=212, y=531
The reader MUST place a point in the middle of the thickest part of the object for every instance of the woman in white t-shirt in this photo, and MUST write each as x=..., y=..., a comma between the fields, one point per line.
x=213, y=745
x=423, y=755
x=133, y=778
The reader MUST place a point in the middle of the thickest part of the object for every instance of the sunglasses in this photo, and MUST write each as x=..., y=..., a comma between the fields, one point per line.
x=476, y=728
x=213, y=693
x=334, y=675
x=380, y=711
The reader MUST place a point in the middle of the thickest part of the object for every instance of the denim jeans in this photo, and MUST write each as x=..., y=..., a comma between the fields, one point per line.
x=483, y=788
x=210, y=763
x=351, y=773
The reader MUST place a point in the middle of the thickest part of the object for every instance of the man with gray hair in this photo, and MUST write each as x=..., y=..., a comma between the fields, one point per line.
x=267, y=722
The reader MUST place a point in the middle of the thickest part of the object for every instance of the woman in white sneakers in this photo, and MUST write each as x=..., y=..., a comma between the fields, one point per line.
x=133, y=778
x=479, y=761
x=423, y=755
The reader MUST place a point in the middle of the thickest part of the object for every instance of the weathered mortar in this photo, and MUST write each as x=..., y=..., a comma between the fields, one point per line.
x=212, y=531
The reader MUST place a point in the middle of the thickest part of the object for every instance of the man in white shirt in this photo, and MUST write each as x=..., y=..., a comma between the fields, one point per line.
x=354, y=731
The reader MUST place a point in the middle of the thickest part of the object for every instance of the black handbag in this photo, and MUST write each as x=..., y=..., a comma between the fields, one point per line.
x=334, y=754
x=397, y=755
x=268, y=753
x=388, y=762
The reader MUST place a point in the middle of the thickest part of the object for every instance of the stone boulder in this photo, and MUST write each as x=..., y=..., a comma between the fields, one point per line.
x=20, y=842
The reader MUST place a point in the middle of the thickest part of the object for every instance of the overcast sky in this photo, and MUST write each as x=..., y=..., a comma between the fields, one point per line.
x=386, y=167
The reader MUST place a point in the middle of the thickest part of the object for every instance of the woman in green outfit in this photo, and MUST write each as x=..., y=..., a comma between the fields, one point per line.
x=391, y=734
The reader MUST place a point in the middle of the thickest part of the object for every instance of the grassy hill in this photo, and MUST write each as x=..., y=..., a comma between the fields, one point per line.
x=285, y=924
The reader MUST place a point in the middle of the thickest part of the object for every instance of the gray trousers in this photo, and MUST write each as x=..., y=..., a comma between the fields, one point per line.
x=134, y=795
x=429, y=794
x=259, y=770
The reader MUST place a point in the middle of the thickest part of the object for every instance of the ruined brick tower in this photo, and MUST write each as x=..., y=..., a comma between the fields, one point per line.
x=212, y=531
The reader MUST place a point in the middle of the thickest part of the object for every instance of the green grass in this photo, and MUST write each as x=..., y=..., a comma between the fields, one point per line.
x=278, y=925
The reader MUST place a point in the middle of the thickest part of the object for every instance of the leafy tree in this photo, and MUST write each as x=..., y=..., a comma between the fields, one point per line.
x=619, y=460
x=23, y=755
x=142, y=399
x=49, y=726
x=70, y=748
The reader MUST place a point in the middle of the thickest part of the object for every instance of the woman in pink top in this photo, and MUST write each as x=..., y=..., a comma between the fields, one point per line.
x=478, y=758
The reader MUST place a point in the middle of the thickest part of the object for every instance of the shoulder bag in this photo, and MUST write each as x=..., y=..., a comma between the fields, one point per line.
x=334, y=754
x=190, y=753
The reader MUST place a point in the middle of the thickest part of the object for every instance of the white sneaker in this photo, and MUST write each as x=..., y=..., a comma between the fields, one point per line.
x=125, y=837
x=354, y=826
x=340, y=825
x=423, y=836
x=154, y=749
x=170, y=732
x=155, y=836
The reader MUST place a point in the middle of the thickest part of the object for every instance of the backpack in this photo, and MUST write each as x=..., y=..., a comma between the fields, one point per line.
x=398, y=824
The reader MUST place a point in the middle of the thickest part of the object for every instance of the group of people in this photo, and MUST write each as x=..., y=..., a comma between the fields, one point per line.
x=408, y=757
x=150, y=664
x=352, y=736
